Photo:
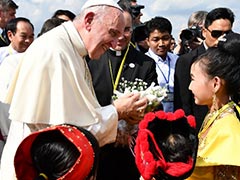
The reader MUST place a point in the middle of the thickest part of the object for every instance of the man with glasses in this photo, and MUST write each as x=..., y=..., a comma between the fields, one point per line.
x=218, y=22
x=123, y=61
x=7, y=12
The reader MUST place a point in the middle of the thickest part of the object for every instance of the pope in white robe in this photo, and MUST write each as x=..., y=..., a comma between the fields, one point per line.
x=57, y=90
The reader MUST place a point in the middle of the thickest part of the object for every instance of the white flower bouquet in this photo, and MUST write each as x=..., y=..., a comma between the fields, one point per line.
x=154, y=93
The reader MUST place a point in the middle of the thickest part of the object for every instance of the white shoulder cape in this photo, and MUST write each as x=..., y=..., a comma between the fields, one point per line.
x=50, y=84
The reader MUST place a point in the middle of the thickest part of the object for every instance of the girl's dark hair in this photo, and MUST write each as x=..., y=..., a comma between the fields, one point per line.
x=177, y=148
x=53, y=154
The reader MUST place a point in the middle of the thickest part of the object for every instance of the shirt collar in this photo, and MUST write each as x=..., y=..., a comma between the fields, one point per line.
x=11, y=49
x=115, y=52
x=205, y=45
x=155, y=57
x=118, y=53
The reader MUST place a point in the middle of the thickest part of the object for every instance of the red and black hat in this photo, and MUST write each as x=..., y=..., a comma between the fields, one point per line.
x=25, y=169
x=150, y=154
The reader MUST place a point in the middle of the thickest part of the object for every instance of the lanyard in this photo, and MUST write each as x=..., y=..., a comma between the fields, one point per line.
x=119, y=70
x=168, y=77
x=2, y=38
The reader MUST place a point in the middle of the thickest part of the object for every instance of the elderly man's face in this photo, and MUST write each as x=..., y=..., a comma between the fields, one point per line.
x=105, y=32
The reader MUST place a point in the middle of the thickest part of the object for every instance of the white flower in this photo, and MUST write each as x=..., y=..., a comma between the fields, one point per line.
x=154, y=93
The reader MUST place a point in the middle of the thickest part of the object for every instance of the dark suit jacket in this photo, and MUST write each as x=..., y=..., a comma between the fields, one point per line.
x=4, y=41
x=183, y=97
x=137, y=65
x=118, y=163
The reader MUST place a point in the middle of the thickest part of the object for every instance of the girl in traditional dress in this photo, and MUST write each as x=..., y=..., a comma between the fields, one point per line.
x=215, y=81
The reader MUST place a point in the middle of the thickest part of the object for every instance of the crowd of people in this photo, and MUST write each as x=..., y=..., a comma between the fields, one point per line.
x=58, y=117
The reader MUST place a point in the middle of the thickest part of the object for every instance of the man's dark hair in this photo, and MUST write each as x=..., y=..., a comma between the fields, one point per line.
x=219, y=13
x=132, y=1
x=5, y=5
x=126, y=6
x=160, y=23
x=12, y=24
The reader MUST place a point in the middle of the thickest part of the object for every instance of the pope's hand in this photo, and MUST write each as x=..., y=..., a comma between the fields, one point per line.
x=130, y=107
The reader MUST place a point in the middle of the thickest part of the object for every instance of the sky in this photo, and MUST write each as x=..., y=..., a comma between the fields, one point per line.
x=177, y=11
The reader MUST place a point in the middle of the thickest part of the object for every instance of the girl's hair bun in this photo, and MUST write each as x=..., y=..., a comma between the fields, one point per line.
x=230, y=44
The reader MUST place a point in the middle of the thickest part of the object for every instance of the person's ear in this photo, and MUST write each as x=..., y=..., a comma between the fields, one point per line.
x=88, y=20
x=10, y=35
x=147, y=40
x=204, y=31
x=217, y=83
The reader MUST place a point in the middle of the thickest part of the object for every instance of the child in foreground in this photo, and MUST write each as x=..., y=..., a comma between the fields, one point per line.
x=166, y=146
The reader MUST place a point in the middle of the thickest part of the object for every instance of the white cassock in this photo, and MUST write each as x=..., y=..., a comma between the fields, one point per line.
x=7, y=71
x=52, y=86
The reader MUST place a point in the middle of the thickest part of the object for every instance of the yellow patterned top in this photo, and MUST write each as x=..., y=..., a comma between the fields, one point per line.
x=219, y=144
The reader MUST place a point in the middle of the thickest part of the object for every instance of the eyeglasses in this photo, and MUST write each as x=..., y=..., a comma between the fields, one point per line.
x=218, y=33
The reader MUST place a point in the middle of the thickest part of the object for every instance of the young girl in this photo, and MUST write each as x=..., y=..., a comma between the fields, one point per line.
x=215, y=80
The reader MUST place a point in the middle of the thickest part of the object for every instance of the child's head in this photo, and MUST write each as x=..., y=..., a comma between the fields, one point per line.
x=159, y=36
x=61, y=151
x=166, y=145
x=176, y=148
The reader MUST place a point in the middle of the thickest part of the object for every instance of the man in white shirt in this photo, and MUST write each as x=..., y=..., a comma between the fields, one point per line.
x=20, y=32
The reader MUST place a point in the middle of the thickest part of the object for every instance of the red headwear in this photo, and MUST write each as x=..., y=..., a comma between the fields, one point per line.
x=25, y=169
x=146, y=163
